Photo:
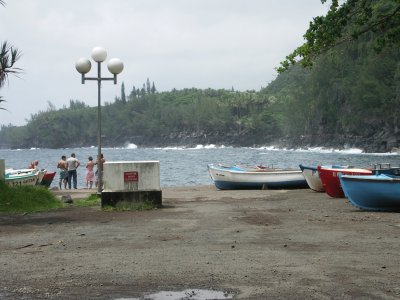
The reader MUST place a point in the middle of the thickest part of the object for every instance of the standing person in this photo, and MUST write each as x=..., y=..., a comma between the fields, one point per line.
x=73, y=164
x=101, y=160
x=63, y=166
x=89, y=172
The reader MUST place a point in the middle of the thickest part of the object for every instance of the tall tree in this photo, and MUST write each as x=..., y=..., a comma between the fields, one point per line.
x=133, y=93
x=143, y=90
x=123, y=97
x=148, y=87
x=153, y=88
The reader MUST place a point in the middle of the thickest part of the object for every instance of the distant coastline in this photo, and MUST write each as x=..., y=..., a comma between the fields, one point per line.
x=374, y=144
x=306, y=149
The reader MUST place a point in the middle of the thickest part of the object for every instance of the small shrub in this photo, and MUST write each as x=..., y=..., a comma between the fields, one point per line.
x=92, y=200
x=26, y=199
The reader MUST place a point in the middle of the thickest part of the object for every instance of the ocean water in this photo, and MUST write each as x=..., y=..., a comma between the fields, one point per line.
x=181, y=166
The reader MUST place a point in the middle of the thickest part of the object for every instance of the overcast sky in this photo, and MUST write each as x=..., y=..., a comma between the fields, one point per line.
x=175, y=43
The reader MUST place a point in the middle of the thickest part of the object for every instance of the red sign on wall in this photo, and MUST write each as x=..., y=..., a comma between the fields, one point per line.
x=131, y=176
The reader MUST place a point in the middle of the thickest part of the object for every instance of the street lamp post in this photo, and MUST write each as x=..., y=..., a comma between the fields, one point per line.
x=83, y=66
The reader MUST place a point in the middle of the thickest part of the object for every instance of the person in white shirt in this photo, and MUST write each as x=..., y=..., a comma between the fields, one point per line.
x=73, y=164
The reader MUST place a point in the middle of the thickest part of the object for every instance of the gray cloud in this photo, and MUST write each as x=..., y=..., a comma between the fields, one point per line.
x=176, y=43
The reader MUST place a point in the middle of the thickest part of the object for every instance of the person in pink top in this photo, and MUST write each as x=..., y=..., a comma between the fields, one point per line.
x=90, y=172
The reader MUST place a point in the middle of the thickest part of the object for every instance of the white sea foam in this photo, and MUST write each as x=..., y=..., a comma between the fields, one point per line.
x=197, y=147
x=211, y=146
x=314, y=150
x=324, y=150
x=383, y=154
x=170, y=148
x=271, y=148
x=330, y=150
x=176, y=148
x=130, y=146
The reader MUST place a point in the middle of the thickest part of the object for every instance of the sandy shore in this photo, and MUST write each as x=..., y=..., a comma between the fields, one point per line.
x=266, y=244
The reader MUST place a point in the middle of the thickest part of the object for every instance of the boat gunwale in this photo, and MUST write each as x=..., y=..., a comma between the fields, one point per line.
x=373, y=178
x=261, y=171
x=345, y=170
x=303, y=167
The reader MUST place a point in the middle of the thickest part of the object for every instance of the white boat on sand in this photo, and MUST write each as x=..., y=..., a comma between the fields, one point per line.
x=237, y=177
x=312, y=177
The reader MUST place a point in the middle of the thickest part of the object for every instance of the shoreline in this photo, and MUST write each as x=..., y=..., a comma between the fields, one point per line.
x=255, y=244
x=268, y=147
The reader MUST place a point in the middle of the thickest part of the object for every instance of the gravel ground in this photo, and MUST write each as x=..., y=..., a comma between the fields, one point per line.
x=259, y=244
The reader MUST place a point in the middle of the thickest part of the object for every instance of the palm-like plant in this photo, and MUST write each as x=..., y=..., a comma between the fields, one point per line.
x=2, y=100
x=8, y=57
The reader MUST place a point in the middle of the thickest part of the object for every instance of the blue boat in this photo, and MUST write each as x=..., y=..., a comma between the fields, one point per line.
x=379, y=192
x=385, y=168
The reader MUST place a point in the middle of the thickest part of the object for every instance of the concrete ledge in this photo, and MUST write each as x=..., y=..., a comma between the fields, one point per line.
x=111, y=198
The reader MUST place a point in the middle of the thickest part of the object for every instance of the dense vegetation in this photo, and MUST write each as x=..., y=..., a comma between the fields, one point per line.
x=350, y=97
x=351, y=94
x=150, y=118
x=347, y=21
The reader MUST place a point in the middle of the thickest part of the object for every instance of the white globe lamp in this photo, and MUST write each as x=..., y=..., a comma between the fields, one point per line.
x=115, y=66
x=83, y=65
x=99, y=54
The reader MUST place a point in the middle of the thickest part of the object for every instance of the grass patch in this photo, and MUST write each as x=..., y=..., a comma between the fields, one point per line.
x=129, y=205
x=26, y=199
x=92, y=200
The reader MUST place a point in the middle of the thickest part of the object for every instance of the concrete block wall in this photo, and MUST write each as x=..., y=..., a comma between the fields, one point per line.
x=119, y=176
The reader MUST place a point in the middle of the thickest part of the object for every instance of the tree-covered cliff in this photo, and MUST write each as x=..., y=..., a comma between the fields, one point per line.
x=150, y=118
x=351, y=93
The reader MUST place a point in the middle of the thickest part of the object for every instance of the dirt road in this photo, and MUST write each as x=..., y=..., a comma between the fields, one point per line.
x=266, y=244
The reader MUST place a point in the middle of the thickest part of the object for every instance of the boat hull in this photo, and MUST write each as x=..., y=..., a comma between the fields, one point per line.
x=226, y=178
x=47, y=179
x=375, y=192
x=311, y=175
x=22, y=179
x=330, y=179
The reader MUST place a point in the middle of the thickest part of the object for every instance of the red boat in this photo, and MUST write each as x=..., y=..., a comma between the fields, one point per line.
x=330, y=179
x=47, y=179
